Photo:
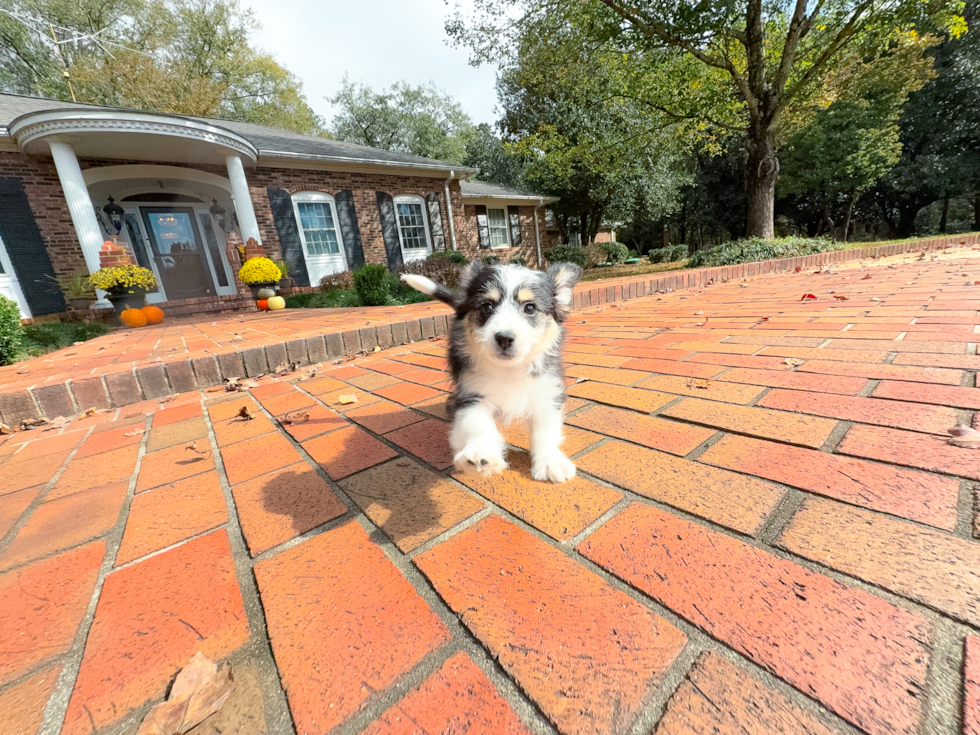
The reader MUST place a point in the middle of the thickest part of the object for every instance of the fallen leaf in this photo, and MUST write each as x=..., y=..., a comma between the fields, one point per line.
x=88, y=413
x=697, y=383
x=866, y=278
x=807, y=296
x=295, y=419
x=875, y=298
x=743, y=285
x=797, y=269
x=964, y=436
x=346, y=399
x=218, y=389
x=841, y=298
x=4, y=429
x=23, y=372
x=583, y=321
x=169, y=399
x=137, y=432
x=192, y=447
x=893, y=267
x=699, y=312
x=58, y=422
x=245, y=414
x=198, y=692
x=793, y=361
x=763, y=318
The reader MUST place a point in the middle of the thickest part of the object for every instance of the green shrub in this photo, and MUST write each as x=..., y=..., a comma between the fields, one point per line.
x=343, y=281
x=669, y=254
x=373, y=284
x=11, y=334
x=41, y=338
x=299, y=300
x=518, y=260
x=453, y=256
x=755, y=249
x=490, y=259
x=566, y=254
x=616, y=252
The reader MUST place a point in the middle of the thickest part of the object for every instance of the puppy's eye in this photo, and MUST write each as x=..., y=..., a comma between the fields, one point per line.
x=486, y=310
x=530, y=309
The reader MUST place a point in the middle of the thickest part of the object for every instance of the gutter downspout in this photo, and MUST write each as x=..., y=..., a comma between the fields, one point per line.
x=449, y=210
x=537, y=233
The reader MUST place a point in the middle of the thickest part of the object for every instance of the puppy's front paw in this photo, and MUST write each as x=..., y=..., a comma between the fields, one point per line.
x=477, y=457
x=553, y=466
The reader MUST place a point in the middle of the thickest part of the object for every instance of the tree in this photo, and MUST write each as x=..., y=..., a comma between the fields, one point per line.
x=185, y=56
x=940, y=134
x=419, y=120
x=606, y=156
x=498, y=164
x=768, y=57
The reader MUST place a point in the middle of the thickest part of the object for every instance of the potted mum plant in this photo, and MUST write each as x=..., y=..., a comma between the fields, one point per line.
x=259, y=274
x=125, y=285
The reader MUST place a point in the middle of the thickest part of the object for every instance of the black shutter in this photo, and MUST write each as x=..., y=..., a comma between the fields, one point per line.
x=281, y=205
x=25, y=248
x=389, y=228
x=482, y=226
x=349, y=229
x=514, y=215
x=435, y=221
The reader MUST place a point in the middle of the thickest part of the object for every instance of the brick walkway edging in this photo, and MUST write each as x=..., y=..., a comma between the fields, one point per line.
x=147, y=382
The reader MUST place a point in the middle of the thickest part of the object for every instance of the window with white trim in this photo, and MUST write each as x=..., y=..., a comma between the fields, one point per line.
x=413, y=227
x=317, y=223
x=499, y=231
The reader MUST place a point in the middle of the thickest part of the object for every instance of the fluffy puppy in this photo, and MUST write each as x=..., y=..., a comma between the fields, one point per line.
x=505, y=353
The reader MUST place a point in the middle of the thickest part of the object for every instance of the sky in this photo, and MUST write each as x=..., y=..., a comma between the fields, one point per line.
x=377, y=42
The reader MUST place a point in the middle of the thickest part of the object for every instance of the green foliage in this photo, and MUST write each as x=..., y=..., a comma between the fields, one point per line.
x=669, y=254
x=337, y=298
x=518, y=260
x=490, y=259
x=40, y=339
x=11, y=334
x=616, y=252
x=419, y=120
x=498, y=164
x=453, y=256
x=567, y=254
x=756, y=248
x=184, y=56
x=373, y=284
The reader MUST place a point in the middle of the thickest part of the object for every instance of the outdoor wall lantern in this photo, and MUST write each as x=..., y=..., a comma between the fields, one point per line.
x=219, y=214
x=115, y=214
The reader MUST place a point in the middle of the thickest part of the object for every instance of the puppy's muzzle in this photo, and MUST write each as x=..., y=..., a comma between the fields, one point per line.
x=505, y=343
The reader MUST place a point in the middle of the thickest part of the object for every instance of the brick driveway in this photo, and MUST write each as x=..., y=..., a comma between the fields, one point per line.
x=768, y=534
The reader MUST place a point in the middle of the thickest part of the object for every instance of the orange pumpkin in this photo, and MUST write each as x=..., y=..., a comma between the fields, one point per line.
x=133, y=318
x=153, y=314
x=263, y=304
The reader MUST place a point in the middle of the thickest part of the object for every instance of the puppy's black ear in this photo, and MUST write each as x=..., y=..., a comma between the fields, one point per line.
x=564, y=276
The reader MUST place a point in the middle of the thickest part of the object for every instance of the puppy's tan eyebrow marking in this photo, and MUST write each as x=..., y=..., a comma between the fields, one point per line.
x=525, y=294
x=494, y=294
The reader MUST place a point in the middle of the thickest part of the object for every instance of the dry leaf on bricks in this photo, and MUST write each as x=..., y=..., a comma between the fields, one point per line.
x=192, y=447
x=344, y=400
x=295, y=419
x=794, y=361
x=964, y=436
x=244, y=414
x=199, y=691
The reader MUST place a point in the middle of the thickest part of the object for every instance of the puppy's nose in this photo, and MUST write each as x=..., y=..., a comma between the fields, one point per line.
x=504, y=339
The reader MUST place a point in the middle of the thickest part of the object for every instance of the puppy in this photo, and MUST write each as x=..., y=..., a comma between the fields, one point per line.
x=505, y=353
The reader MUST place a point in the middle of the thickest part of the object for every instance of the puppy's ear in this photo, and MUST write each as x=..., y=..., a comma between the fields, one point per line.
x=469, y=273
x=563, y=276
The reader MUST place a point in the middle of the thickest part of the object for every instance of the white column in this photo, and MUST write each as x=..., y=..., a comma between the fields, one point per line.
x=243, y=199
x=80, y=207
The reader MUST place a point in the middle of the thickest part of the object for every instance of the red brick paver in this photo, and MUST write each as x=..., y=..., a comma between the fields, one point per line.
x=766, y=524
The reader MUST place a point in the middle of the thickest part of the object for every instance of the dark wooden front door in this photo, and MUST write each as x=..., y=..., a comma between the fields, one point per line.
x=178, y=251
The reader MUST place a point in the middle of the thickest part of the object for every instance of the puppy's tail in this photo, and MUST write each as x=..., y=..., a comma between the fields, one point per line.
x=430, y=287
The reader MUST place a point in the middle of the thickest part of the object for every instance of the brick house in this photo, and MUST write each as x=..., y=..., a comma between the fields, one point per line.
x=183, y=194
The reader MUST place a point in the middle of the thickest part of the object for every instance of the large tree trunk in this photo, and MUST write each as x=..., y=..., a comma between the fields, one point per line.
x=945, y=215
x=761, y=173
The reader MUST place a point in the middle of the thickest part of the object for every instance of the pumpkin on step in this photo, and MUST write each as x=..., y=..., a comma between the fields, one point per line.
x=133, y=318
x=153, y=314
x=263, y=304
x=276, y=303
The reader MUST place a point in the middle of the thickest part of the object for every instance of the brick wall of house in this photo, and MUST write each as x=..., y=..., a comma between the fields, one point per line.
x=364, y=187
x=469, y=240
x=47, y=202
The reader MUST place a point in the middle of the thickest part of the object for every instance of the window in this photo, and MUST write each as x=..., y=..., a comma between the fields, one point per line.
x=497, y=219
x=317, y=218
x=413, y=230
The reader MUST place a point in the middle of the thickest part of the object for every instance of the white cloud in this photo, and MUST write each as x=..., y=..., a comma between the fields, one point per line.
x=377, y=42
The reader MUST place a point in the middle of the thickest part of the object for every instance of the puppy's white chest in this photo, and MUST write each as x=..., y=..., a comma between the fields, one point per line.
x=514, y=396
